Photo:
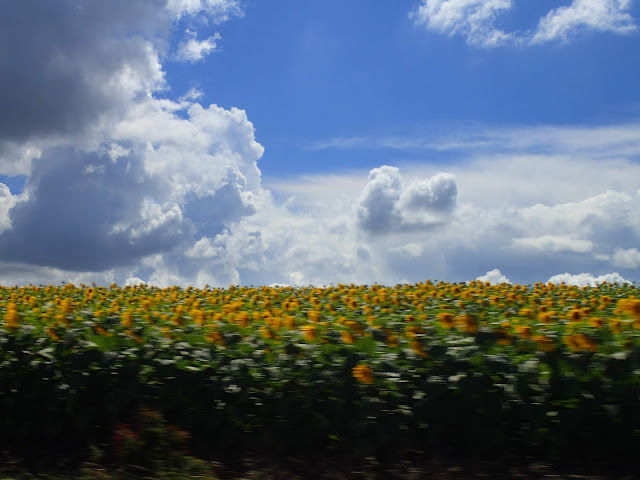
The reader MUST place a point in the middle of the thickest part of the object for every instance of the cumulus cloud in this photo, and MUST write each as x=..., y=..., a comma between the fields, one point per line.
x=193, y=50
x=93, y=62
x=75, y=67
x=471, y=18
x=553, y=243
x=386, y=205
x=278, y=245
x=323, y=244
x=128, y=199
x=120, y=184
x=210, y=149
x=203, y=248
x=7, y=201
x=412, y=250
x=599, y=220
x=587, y=279
x=626, y=258
x=531, y=215
x=475, y=20
x=494, y=277
x=131, y=281
x=85, y=220
x=600, y=15
x=217, y=10
x=377, y=210
x=436, y=193
x=115, y=175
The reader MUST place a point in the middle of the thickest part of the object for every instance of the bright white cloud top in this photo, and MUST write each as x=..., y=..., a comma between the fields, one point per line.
x=494, y=277
x=129, y=178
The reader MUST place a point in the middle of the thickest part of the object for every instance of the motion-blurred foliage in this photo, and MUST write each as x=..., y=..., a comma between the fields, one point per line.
x=540, y=370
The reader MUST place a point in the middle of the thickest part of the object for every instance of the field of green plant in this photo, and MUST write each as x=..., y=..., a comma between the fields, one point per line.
x=542, y=371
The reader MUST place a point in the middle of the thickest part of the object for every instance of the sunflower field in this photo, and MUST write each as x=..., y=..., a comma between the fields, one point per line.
x=546, y=370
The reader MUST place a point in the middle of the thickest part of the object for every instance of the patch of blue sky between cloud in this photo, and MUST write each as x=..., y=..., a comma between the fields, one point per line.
x=15, y=183
x=196, y=30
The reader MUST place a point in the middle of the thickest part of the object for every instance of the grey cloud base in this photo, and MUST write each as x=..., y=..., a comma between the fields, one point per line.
x=114, y=174
x=387, y=206
x=121, y=202
x=81, y=218
x=63, y=63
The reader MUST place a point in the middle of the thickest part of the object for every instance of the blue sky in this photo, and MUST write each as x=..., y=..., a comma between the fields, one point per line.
x=198, y=142
x=306, y=72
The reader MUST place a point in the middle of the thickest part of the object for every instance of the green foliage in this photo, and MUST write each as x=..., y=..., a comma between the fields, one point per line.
x=463, y=369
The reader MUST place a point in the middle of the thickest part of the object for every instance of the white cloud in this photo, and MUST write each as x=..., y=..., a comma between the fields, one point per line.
x=488, y=180
x=546, y=155
x=471, y=18
x=7, y=201
x=494, y=277
x=193, y=50
x=394, y=143
x=601, y=15
x=626, y=258
x=587, y=279
x=553, y=243
x=203, y=248
x=192, y=95
x=81, y=66
x=377, y=206
x=114, y=174
x=198, y=155
x=589, y=218
x=474, y=19
x=189, y=196
x=217, y=10
x=594, y=141
x=386, y=205
x=436, y=193
x=323, y=244
x=131, y=281
x=297, y=278
x=411, y=250
x=155, y=218
x=590, y=208
x=94, y=210
x=74, y=65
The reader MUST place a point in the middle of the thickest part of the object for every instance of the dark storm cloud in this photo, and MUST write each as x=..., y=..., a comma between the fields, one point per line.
x=66, y=63
x=211, y=213
x=87, y=212
x=78, y=116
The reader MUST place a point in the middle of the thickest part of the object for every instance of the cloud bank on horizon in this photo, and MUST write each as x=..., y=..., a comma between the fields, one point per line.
x=126, y=181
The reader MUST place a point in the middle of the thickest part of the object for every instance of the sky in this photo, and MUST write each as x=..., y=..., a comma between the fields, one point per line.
x=261, y=142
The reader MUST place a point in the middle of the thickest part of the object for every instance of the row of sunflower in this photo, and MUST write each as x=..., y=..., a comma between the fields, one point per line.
x=365, y=366
x=548, y=316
